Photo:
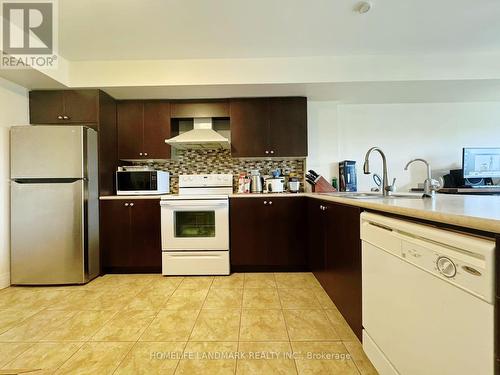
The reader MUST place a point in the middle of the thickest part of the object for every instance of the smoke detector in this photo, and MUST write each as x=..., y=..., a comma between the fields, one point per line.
x=363, y=7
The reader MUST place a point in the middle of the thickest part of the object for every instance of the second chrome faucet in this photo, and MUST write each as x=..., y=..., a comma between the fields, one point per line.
x=430, y=185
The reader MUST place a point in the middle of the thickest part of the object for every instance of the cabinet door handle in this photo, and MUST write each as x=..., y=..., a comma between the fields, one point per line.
x=265, y=202
x=126, y=204
x=267, y=152
x=66, y=117
x=145, y=154
x=270, y=202
x=59, y=117
x=272, y=152
x=131, y=205
x=140, y=153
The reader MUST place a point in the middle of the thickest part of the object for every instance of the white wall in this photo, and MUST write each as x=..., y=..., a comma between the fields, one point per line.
x=13, y=111
x=323, y=138
x=436, y=132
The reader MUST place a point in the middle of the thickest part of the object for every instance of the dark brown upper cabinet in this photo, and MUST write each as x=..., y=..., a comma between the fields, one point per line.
x=288, y=126
x=130, y=129
x=64, y=107
x=200, y=108
x=269, y=127
x=249, y=127
x=143, y=127
x=93, y=108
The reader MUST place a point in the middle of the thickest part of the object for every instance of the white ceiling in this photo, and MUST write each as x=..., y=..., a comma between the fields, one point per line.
x=180, y=29
x=346, y=92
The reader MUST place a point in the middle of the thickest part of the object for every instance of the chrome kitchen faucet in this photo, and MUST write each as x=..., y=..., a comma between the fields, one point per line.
x=386, y=188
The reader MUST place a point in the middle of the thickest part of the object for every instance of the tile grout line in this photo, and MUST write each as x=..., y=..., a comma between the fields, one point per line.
x=286, y=325
x=83, y=343
x=90, y=338
x=38, y=342
x=239, y=325
x=323, y=309
x=151, y=322
x=352, y=358
x=71, y=356
x=22, y=321
x=19, y=355
x=194, y=325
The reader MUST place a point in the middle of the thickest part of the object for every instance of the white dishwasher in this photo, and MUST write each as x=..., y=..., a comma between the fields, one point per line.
x=427, y=299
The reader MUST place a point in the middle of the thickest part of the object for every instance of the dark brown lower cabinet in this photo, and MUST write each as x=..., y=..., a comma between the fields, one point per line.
x=316, y=239
x=335, y=256
x=268, y=234
x=130, y=235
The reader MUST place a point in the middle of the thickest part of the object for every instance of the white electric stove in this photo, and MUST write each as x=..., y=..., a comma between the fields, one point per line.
x=195, y=226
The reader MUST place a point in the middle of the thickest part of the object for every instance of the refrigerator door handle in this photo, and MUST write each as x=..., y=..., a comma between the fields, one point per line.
x=48, y=180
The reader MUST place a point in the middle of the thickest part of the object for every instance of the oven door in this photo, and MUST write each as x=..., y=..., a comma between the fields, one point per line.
x=195, y=224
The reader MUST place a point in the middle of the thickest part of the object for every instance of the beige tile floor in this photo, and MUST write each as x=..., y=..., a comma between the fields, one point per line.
x=253, y=323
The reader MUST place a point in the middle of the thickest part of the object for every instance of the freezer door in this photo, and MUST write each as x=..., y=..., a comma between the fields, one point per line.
x=48, y=152
x=48, y=233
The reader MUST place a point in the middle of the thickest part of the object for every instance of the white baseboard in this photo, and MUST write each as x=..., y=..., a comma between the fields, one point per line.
x=4, y=280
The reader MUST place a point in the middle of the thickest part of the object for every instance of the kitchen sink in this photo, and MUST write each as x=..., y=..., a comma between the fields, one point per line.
x=406, y=196
x=375, y=196
x=361, y=195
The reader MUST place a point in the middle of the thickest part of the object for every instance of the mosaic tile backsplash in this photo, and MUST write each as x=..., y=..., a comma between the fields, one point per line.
x=220, y=161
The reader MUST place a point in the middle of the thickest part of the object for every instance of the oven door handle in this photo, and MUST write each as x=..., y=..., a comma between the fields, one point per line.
x=197, y=256
x=194, y=203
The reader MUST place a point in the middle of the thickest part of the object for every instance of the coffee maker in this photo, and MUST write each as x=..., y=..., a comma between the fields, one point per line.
x=347, y=176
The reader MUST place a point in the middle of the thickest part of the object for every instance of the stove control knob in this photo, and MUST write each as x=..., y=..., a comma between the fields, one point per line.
x=446, y=267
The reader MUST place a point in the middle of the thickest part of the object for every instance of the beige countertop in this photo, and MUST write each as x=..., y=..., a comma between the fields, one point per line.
x=469, y=211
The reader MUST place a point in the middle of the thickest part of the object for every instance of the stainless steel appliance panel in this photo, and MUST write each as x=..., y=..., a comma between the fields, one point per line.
x=92, y=258
x=48, y=232
x=48, y=151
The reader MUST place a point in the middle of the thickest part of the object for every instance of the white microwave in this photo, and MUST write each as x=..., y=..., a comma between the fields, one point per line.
x=142, y=182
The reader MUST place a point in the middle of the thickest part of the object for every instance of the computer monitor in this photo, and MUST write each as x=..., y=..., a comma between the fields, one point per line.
x=480, y=162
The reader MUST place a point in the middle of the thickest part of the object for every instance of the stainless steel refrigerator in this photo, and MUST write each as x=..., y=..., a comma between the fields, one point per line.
x=54, y=205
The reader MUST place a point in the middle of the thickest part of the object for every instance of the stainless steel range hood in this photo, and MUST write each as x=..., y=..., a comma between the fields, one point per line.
x=201, y=137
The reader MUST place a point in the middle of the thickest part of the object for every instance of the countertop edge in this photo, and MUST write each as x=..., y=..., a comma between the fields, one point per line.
x=464, y=221
x=267, y=195
x=128, y=197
